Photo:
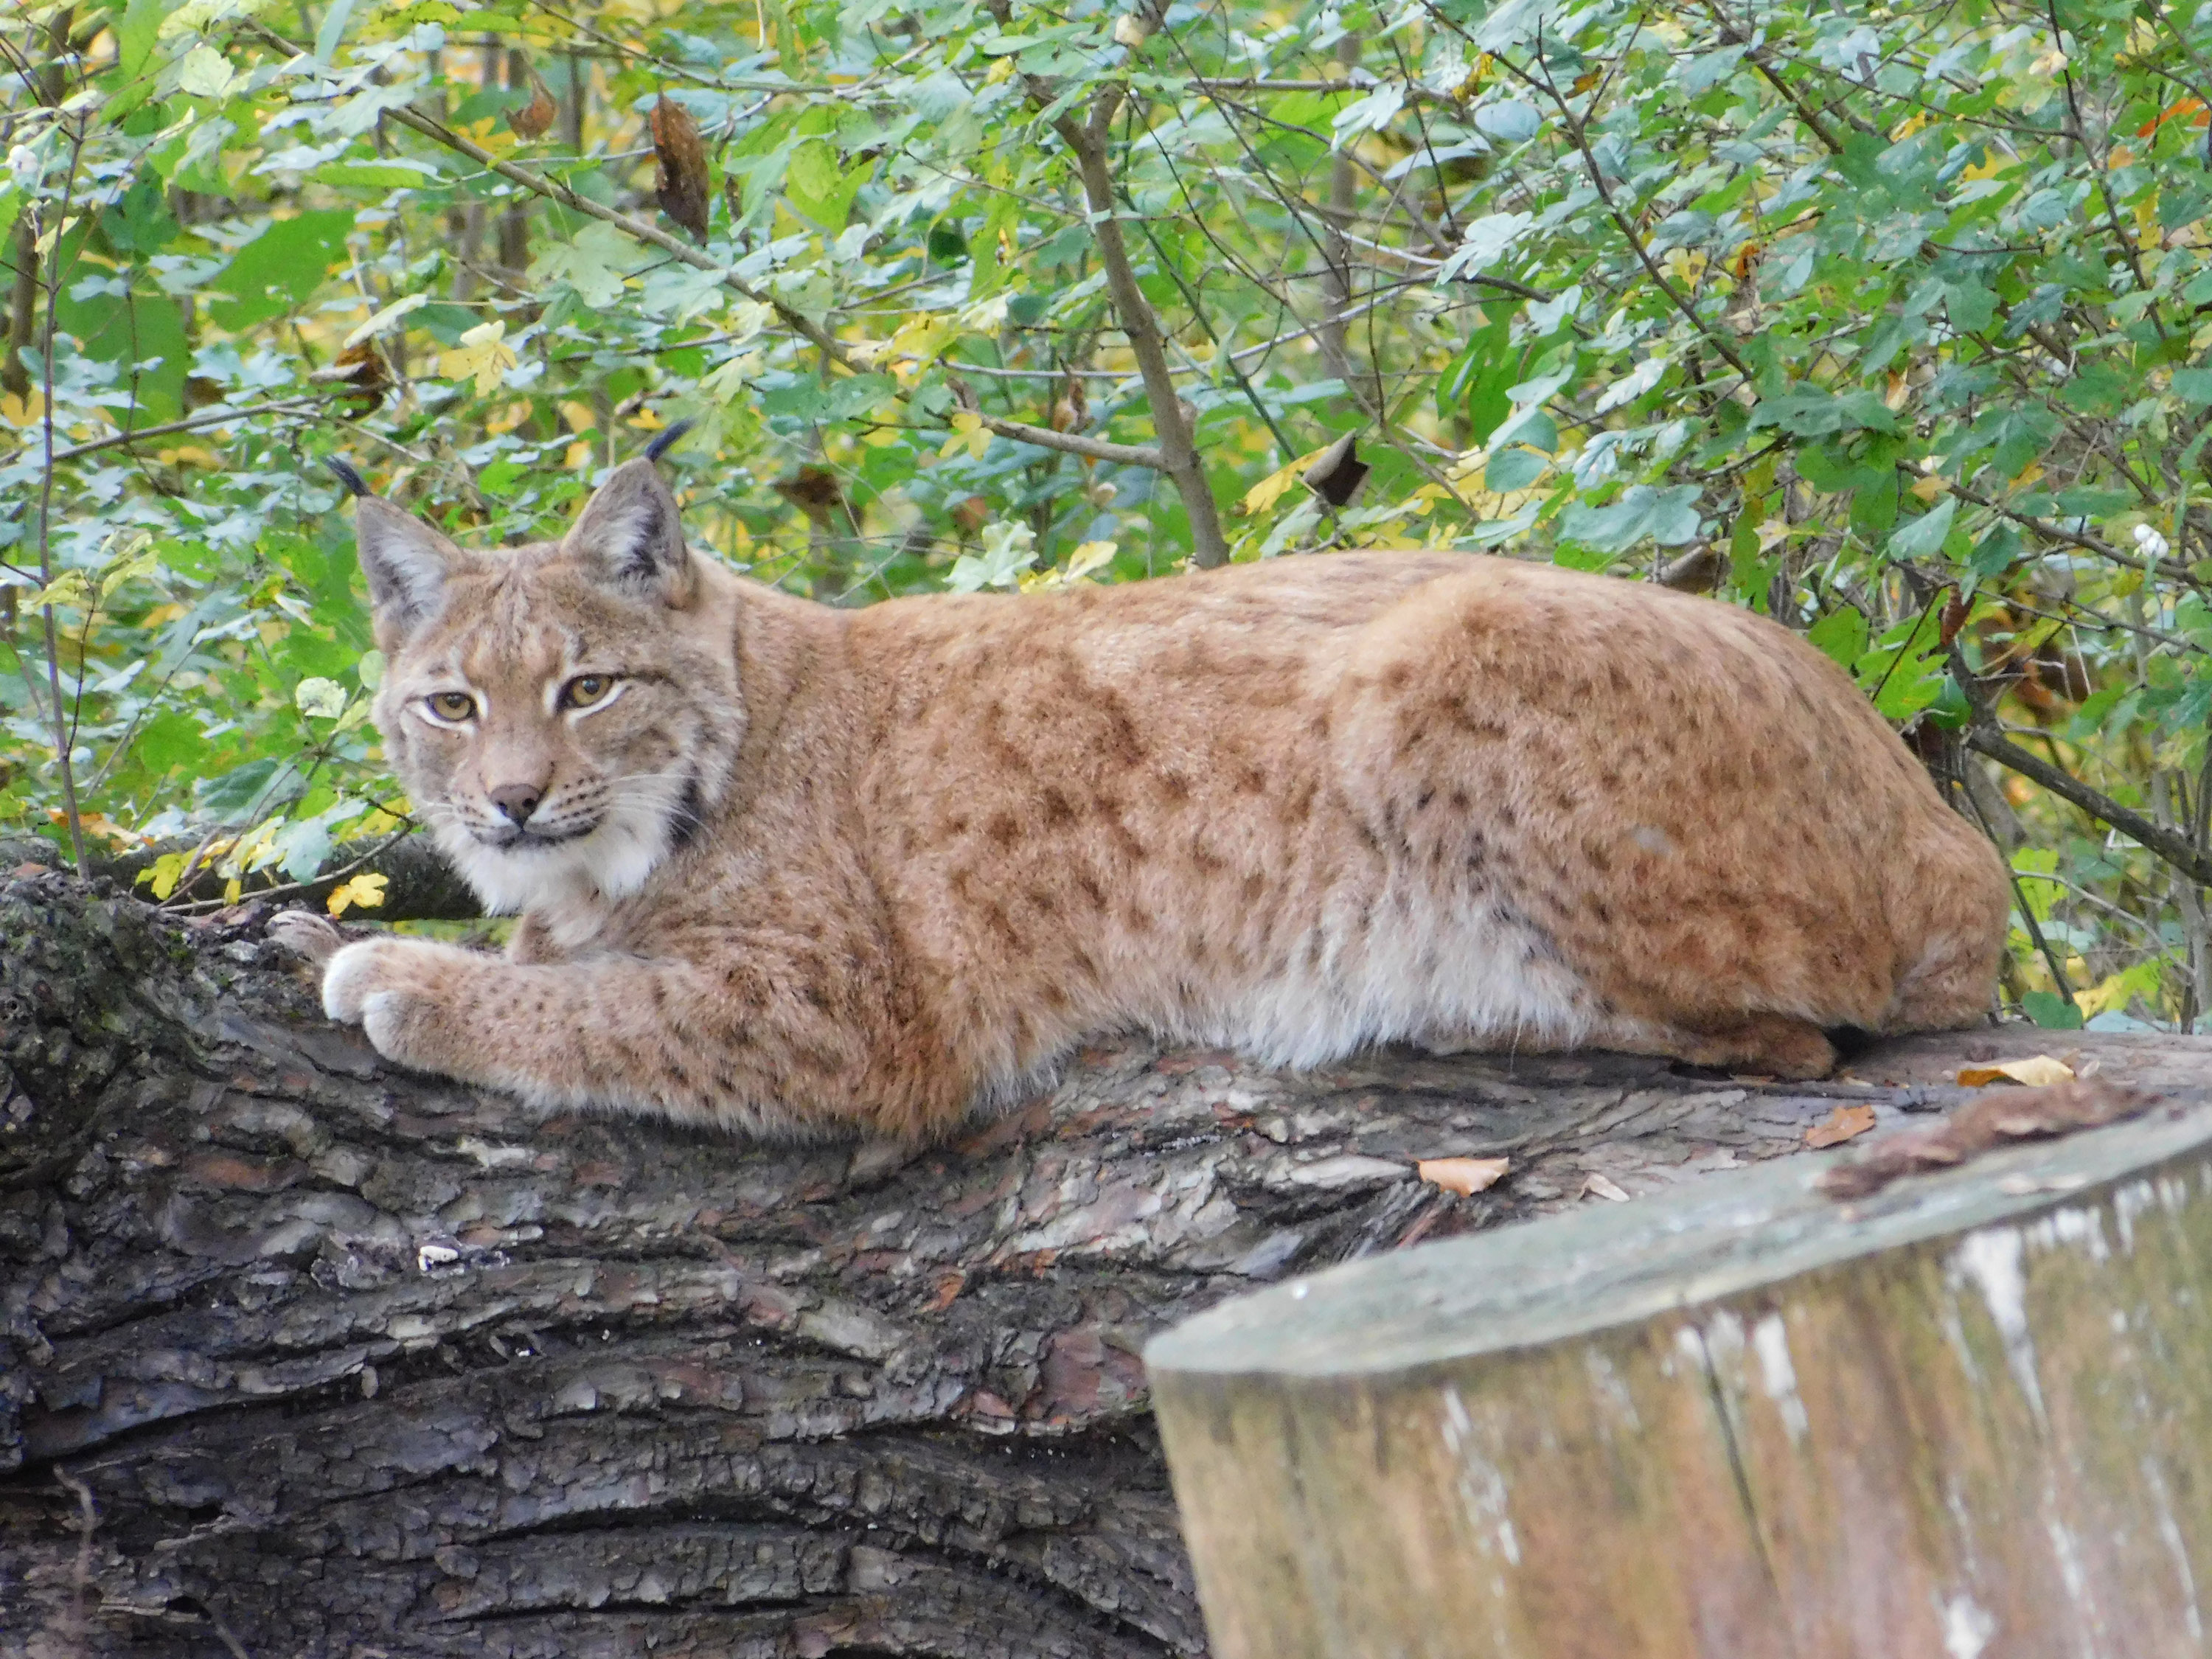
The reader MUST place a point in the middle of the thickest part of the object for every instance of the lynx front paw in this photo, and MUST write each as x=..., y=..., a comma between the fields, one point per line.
x=393, y=989
x=352, y=978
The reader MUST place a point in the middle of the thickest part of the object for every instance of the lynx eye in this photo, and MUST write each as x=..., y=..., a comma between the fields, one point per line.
x=588, y=690
x=453, y=705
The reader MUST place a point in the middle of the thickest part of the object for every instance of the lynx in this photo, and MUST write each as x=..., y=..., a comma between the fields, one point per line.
x=783, y=868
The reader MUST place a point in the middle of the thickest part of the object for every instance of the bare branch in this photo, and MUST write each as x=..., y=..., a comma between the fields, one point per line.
x=1179, y=457
x=2168, y=845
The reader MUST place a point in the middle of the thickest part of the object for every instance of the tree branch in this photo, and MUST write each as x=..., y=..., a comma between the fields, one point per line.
x=2172, y=848
x=1179, y=457
x=192, y=424
x=2171, y=569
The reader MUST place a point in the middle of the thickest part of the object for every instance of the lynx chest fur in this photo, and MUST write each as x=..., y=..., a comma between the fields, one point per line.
x=782, y=867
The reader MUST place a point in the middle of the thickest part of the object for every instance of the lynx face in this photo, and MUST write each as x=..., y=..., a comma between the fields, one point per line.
x=543, y=704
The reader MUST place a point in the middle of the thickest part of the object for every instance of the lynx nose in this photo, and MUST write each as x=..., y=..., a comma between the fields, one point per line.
x=516, y=800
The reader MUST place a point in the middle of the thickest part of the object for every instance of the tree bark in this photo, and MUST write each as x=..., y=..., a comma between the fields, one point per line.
x=301, y=1354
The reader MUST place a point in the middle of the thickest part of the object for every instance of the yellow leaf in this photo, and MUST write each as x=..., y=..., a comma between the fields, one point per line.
x=1465, y=1176
x=22, y=410
x=165, y=873
x=1087, y=557
x=968, y=433
x=483, y=354
x=2038, y=1072
x=1000, y=71
x=231, y=890
x=1269, y=490
x=365, y=890
x=71, y=588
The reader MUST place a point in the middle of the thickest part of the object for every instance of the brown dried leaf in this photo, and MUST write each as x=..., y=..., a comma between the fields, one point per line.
x=534, y=119
x=1841, y=1126
x=361, y=370
x=814, y=490
x=1990, y=1121
x=1605, y=1186
x=1954, y=618
x=679, y=176
x=1465, y=1176
x=1071, y=411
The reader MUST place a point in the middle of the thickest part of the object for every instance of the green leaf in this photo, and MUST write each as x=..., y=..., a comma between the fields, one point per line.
x=242, y=793
x=1816, y=414
x=1842, y=633
x=1514, y=469
x=332, y=30
x=1923, y=537
x=2051, y=1011
x=319, y=699
x=395, y=174
x=594, y=264
x=814, y=184
x=275, y=271
x=1667, y=516
x=2193, y=385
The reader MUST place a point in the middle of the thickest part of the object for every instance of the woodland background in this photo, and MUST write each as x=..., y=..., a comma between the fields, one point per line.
x=1885, y=324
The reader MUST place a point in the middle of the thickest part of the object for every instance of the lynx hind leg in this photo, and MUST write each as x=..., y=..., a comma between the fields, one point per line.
x=1951, y=987
x=1773, y=1045
x=313, y=938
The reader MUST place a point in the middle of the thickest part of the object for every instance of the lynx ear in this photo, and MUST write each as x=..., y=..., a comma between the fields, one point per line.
x=407, y=563
x=632, y=531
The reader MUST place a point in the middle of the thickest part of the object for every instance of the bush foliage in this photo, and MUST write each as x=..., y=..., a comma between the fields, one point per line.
x=1884, y=323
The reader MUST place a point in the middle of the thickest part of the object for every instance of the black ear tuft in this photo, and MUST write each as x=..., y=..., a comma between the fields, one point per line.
x=343, y=470
x=668, y=440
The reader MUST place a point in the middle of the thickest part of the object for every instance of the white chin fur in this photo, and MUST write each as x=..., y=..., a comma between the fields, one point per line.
x=615, y=860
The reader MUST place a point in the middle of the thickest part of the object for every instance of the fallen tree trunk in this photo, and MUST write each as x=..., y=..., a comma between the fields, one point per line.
x=300, y=1354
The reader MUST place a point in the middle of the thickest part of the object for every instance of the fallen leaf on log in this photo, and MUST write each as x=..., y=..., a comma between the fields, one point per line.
x=1841, y=1126
x=1600, y=1185
x=1465, y=1176
x=1993, y=1120
x=2038, y=1072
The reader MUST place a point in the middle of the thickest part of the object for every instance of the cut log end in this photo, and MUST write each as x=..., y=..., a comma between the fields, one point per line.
x=1739, y=1419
